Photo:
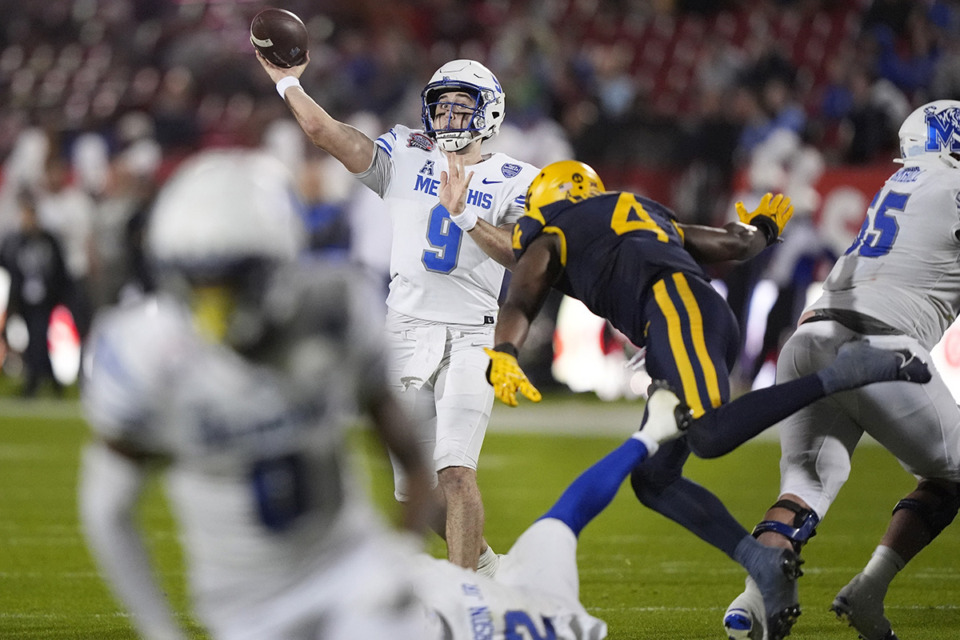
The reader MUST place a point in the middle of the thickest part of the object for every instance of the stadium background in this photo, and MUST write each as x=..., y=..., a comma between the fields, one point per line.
x=693, y=102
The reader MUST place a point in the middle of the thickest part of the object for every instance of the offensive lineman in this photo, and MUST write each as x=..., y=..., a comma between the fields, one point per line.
x=241, y=378
x=898, y=285
x=452, y=208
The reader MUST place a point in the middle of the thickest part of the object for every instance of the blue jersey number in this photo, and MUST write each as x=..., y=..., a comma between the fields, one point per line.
x=280, y=491
x=444, y=237
x=880, y=229
x=517, y=621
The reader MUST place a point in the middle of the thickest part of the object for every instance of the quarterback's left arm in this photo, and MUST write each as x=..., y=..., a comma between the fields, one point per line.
x=495, y=241
x=755, y=231
x=110, y=487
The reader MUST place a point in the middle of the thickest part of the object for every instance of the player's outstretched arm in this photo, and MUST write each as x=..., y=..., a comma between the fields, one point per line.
x=741, y=240
x=537, y=270
x=349, y=145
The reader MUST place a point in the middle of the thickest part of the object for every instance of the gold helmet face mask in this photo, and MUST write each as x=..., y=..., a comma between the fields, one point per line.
x=565, y=180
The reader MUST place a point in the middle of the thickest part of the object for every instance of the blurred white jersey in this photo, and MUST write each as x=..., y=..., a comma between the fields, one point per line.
x=904, y=266
x=256, y=473
x=534, y=595
x=437, y=272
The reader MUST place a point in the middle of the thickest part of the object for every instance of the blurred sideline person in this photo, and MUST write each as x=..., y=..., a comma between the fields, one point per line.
x=239, y=379
x=452, y=208
x=629, y=261
x=33, y=258
x=898, y=286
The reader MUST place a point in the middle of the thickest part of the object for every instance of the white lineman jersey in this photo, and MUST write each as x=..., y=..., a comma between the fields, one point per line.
x=904, y=266
x=535, y=594
x=255, y=444
x=437, y=272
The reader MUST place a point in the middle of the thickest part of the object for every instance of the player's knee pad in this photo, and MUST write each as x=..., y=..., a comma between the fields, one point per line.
x=803, y=527
x=938, y=513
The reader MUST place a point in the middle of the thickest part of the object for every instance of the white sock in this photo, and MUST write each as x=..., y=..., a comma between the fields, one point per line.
x=884, y=564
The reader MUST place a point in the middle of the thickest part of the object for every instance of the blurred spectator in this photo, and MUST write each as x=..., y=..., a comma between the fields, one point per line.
x=38, y=283
x=945, y=84
x=66, y=210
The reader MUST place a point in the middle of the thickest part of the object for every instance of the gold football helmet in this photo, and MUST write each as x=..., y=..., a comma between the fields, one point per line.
x=564, y=180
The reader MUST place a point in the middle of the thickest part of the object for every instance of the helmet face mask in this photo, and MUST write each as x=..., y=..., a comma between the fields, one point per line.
x=564, y=180
x=481, y=120
x=931, y=134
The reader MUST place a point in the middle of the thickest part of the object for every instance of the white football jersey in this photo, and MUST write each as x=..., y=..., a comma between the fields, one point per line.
x=904, y=266
x=437, y=272
x=469, y=606
x=256, y=472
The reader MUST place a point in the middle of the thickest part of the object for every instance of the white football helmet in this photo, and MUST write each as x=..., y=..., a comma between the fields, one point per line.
x=470, y=77
x=932, y=134
x=224, y=209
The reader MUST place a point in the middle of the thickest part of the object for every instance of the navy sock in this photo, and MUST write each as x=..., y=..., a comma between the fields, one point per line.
x=593, y=490
x=725, y=428
x=696, y=509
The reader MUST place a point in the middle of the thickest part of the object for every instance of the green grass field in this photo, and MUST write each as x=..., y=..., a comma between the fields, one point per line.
x=646, y=576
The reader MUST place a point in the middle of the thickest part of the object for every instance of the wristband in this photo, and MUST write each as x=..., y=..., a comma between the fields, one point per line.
x=767, y=226
x=466, y=220
x=508, y=348
x=285, y=83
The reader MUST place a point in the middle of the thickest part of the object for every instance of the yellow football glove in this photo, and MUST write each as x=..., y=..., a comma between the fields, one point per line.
x=770, y=216
x=506, y=376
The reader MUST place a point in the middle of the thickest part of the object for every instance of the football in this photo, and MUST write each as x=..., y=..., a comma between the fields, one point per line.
x=280, y=37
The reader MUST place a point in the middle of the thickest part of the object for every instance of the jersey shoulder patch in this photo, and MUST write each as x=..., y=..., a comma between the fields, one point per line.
x=420, y=140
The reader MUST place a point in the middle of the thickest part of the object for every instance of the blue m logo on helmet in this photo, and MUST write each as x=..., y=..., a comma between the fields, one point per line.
x=943, y=130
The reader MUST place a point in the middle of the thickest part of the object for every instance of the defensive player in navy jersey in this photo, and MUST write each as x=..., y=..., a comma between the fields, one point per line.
x=630, y=261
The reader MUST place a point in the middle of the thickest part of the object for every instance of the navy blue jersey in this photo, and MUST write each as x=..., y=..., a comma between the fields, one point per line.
x=614, y=248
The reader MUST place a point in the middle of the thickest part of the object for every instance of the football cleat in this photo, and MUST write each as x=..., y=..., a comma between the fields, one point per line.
x=745, y=618
x=858, y=363
x=667, y=417
x=778, y=584
x=860, y=604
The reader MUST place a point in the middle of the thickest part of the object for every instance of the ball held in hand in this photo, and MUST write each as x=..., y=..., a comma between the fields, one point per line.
x=280, y=37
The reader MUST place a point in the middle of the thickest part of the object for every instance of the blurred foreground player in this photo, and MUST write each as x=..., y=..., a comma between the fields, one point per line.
x=898, y=286
x=628, y=260
x=239, y=379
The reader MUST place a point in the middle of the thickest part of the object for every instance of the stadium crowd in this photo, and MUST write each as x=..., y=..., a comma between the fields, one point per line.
x=694, y=102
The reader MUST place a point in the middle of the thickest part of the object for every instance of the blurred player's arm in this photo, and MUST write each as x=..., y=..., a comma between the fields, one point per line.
x=349, y=145
x=755, y=231
x=395, y=430
x=111, y=484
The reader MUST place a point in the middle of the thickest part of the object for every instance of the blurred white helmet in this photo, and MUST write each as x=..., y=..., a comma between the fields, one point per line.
x=931, y=134
x=475, y=79
x=222, y=210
